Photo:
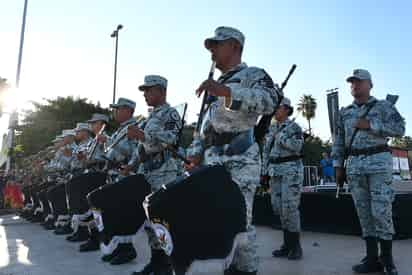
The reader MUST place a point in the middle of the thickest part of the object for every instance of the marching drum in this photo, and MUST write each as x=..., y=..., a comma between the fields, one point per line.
x=198, y=217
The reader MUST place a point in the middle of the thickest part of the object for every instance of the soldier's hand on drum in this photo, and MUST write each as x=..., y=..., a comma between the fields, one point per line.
x=101, y=139
x=134, y=132
x=214, y=88
x=125, y=170
x=194, y=162
x=363, y=124
x=81, y=156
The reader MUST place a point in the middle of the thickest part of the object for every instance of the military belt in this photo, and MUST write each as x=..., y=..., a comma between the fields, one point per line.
x=285, y=159
x=368, y=151
x=238, y=142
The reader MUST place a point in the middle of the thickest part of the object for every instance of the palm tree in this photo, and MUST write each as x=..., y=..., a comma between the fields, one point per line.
x=307, y=106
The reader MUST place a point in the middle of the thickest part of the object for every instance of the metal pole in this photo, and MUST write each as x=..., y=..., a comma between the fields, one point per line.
x=115, y=68
x=115, y=34
x=14, y=113
x=23, y=27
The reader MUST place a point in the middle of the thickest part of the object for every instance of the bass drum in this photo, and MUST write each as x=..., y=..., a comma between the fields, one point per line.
x=203, y=213
x=121, y=205
x=78, y=188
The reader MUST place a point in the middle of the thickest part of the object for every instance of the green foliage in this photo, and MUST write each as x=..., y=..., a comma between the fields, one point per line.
x=307, y=107
x=313, y=149
x=40, y=126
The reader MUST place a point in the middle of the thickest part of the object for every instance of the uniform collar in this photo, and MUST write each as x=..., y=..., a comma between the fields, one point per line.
x=160, y=107
x=370, y=100
x=284, y=123
x=238, y=67
x=130, y=120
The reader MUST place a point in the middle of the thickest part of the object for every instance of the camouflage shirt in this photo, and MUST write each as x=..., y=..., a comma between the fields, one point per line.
x=160, y=129
x=385, y=122
x=124, y=149
x=282, y=140
x=253, y=93
x=81, y=148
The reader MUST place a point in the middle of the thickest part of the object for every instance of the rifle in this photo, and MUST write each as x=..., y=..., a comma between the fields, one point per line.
x=204, y=100
x=92, y=150
x=262, y=127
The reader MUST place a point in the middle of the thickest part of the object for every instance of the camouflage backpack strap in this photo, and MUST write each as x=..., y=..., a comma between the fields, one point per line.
x=352, y=138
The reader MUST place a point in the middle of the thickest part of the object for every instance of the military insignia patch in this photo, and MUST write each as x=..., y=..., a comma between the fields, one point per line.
x=174, y=116
x=164, y=237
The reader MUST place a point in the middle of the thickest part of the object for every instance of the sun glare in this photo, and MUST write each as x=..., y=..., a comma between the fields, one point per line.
x=14, y=99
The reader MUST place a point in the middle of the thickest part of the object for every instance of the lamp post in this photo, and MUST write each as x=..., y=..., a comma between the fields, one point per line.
x=14, y=115
x=115, y=34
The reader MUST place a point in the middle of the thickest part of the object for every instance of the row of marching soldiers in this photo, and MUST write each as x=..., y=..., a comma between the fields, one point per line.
x=95, y=189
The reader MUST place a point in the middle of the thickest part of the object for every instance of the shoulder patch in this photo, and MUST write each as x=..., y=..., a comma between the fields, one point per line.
x=174, y=115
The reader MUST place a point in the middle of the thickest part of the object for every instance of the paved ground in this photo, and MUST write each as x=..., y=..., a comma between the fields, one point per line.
x=26, y=249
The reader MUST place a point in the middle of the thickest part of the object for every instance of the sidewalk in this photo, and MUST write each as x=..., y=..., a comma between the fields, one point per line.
x=27, y=249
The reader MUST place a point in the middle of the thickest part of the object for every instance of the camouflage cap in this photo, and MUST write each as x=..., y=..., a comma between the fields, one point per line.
x=224, y=33
x=98, y=117
x=124, y=102
x=286, y=102
x=153, y=80
x=68, y=132
x=359, y=74
x=81, y=126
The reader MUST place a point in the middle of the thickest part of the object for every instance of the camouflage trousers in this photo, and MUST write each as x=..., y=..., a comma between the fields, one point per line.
x=245, y=171
x=373, y=196
x=245, y=258
x=285, y=198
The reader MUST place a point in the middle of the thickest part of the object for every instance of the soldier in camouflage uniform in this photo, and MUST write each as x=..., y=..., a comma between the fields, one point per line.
x=116, y=249
x=63, y=166
x=241, y=95
x=123, y=147
x=83, y=140
x=94, y=162
x=154, y=160
x=96, y=123
x=282, y=165
x=68, y=149
x=369, y=168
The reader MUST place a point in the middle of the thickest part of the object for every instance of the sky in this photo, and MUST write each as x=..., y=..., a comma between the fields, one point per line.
x=68, y=49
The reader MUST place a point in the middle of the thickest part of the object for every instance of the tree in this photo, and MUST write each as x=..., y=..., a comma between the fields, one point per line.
x=313, y=149
x=307, y=107
x=47, y=120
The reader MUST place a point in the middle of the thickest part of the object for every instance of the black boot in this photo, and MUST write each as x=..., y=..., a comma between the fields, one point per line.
x=92, y=243
x=125, y=253
x=387, y=258
x=81, y=235
x=283, y=251
x=160, y=264
x=295, y=250
x=37, y=218
x=371, y=263
x=49, y=225
x=63, y=230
